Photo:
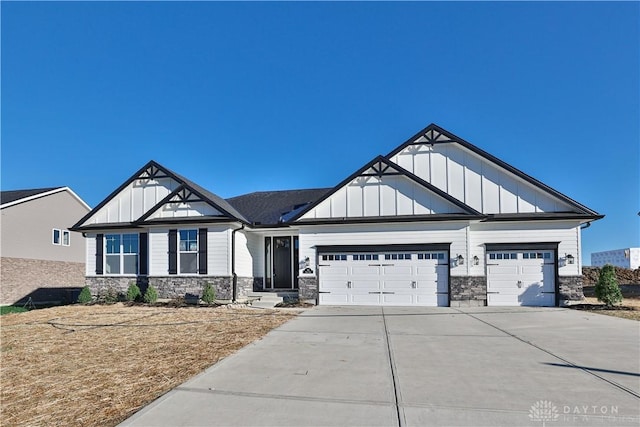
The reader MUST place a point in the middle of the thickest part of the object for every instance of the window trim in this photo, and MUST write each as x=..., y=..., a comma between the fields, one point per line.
x=121, y=254
x=67, y=234
x=53, y=237
x=179, y=252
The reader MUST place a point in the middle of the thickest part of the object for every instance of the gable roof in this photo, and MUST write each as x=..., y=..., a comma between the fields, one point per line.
x=14, y=197
x=434, y=134
x=274, y=207
x=383, y=166
x=155, y=170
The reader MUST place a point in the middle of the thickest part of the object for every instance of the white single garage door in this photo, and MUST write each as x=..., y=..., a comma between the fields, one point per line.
x=521, y=278
x=384, y=278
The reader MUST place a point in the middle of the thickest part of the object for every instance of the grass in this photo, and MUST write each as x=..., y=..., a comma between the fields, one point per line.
x=7, y=309
x=628, y=309
x=97, y=365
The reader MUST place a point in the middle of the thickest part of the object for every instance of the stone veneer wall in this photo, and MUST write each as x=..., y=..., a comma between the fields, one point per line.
x=43, y=280
x=308, y=288
x=570, y=289
x=468, y=291
x=173, y=286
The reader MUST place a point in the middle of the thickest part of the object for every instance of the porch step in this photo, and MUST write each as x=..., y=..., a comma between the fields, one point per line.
x=264, y=299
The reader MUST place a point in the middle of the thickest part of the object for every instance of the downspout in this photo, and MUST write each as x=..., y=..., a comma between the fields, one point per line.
x=234, y=285
x=585, y=225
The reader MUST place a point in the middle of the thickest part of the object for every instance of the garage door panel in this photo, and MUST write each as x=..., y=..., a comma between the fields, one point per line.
x=329, y=271
x=366, y=299
x=330, y=284
x=334, y=298
x=398, y=270
x=365, y=270
x=397, y=284
x=358, y=285
x=503, y=269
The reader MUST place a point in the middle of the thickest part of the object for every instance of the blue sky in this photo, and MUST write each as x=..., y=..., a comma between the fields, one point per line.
x=241, y=97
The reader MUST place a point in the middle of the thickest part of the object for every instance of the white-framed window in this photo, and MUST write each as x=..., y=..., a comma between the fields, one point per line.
x=55, y=236
x=121, y=253
x=66, y=238
x=188, y=252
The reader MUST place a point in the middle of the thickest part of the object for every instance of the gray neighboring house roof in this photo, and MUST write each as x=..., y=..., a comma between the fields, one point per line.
x=15, y=195
x=275, y=207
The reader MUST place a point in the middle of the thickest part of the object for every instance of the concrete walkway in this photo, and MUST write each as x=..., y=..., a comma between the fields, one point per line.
x=373, y=366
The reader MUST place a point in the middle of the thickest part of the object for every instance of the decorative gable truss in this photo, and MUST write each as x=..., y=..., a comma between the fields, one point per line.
x=155, y=194
x=477, y=178
x=383, y=189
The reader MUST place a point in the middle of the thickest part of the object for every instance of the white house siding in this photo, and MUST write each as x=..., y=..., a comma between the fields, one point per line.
x=90, y=265
x=158, y=251
x=133, y=201
x=566, y=233
x=474, y=180
x=389, y=195
x=185, y=210
x=255, y=245
x=244, y=258
x=379, y=234
x=219, y=250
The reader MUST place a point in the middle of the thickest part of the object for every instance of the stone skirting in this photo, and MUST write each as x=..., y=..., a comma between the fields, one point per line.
x=43, y=281
x=308, y=288
x=468, y=291
x=173, y=286
x=569, y=289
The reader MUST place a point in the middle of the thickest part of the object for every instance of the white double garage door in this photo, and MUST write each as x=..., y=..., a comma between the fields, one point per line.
x=384, y=278
x=421, y=278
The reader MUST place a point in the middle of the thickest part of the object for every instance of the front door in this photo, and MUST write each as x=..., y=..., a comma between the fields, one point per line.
x=282, y=262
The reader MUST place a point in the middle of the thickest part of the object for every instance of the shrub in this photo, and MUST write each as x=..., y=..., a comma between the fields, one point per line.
x=151, y=295
x=607, y=289
x=108, y=296
x=208, y=294
x=85, y=296
x=133, y=293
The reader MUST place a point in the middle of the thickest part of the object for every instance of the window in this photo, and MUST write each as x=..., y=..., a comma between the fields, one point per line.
x=188, y=252
x=334, y=257
x=121, y=253
x=56, y=236
x=365, y=257
x=66, y=238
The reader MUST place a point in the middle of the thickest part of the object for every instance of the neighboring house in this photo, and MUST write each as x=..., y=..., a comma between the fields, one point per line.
x=41, y=257
x=437, y=222
x=625, y=258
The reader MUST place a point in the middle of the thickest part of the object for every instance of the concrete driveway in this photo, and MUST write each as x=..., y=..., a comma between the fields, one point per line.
x=373, y=366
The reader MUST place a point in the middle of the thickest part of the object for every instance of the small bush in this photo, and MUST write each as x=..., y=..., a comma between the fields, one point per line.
x=133, y=293
x=208, y=294
x=108, y=296
x=85, y=296
x=607, y=289
x=151, y=295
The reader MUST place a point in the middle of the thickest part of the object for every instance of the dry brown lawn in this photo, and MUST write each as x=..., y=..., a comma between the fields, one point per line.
x=633, y=303
x=97, y=365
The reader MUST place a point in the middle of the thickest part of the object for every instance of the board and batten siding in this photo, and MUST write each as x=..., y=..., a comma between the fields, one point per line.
x=384, y=234
x=567, y=233
x=475, y=181
x=185, y=210
x=388, y=195
x=219, y=250
x=133, y=201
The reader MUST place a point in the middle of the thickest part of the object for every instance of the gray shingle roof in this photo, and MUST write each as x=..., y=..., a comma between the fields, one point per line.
x=268, y=207
x=14, y=195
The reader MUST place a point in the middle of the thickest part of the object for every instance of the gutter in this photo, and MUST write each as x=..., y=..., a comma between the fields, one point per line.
x=234, y=285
